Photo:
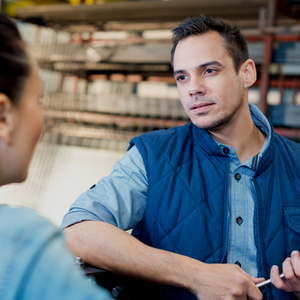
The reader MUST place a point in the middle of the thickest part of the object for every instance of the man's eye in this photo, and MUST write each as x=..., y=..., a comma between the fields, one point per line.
x=209, y=71
x=180, y=77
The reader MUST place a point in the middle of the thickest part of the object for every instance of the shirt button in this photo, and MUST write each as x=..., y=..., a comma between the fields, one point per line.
x=239, y=220
x=226, y=150
x=237, y=176
x=238, y=263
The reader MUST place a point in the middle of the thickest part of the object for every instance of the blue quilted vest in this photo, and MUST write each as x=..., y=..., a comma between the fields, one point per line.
x=187, y=206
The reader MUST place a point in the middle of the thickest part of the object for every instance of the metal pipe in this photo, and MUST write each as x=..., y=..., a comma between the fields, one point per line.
x=262, y=19
x=272, y=12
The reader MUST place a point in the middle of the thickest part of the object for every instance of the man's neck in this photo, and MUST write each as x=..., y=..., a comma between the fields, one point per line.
x=246, y=139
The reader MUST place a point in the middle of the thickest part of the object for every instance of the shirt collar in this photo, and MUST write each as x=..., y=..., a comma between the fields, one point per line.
x=263, y=124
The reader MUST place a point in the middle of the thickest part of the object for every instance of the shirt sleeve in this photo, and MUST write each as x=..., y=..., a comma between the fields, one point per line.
x=119, y=198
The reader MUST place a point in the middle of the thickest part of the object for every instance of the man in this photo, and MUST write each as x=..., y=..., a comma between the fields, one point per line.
x=215, y=203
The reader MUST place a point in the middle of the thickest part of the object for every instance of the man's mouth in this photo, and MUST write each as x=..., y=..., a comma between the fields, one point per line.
x=201, y=107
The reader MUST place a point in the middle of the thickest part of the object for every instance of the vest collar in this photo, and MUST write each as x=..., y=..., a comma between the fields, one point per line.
x=203, y=139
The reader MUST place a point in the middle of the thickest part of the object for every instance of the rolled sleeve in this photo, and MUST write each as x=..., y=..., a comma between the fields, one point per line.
x=119, y=198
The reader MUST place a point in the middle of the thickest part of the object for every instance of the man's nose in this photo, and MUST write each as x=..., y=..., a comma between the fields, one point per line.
x=197, y=86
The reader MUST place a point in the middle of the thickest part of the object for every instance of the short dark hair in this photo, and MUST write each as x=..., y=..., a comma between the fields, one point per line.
x=15, y=67
x=235, y=42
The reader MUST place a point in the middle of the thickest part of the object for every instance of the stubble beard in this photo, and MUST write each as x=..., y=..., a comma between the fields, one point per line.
x=222, y=120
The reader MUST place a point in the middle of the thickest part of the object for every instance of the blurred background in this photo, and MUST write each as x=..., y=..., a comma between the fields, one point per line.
x=107, y=78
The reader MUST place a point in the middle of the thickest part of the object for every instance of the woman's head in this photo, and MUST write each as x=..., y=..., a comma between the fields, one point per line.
x=20, y=116
x=15, y=65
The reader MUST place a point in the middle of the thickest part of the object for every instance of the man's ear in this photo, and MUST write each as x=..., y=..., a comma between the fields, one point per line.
x=248, y=71
x=6, y=119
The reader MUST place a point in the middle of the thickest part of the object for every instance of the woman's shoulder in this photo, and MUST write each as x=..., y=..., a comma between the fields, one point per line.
x=16, y=221
x=20, y=214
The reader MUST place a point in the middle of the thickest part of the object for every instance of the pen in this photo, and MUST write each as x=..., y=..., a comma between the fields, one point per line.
x=266, y=282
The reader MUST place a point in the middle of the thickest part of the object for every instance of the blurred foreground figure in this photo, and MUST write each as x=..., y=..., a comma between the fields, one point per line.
x=35, y=263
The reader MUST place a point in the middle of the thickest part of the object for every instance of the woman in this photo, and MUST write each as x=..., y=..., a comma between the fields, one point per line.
x=35, y=263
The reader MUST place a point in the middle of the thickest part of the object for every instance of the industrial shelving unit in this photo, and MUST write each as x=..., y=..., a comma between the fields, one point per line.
x=123, y=108
x=280, y=74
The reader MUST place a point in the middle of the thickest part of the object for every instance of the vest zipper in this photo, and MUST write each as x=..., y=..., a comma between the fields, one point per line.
x=257, y=237
x=227, y=217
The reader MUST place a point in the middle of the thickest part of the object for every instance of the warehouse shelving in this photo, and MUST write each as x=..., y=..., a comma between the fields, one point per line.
x=122, y=107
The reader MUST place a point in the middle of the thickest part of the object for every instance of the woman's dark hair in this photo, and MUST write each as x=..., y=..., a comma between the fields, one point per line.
x=235, y=42
x=14, y=62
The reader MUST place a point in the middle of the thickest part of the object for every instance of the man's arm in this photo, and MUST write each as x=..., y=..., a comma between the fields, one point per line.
x=119, y=198
x=291, y=271
x=106, y=246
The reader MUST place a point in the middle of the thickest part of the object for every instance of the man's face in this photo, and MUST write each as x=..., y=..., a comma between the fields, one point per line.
x=209, y=88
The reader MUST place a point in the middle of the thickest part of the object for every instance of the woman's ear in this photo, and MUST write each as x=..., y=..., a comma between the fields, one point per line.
x=6, y=119
x=248, y=71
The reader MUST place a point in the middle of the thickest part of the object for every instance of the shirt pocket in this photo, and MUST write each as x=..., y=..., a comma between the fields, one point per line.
x=292, y=228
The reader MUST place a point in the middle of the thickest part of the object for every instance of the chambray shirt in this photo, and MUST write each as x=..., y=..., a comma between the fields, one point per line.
x=121, y=197
x=242, y=196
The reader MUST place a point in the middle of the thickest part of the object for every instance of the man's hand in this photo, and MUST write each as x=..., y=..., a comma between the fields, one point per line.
x=226, y=281
x=108, y=247
x=291, y=271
